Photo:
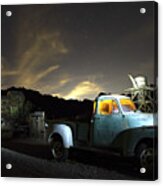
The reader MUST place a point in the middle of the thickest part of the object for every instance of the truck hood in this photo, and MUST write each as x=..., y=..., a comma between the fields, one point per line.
x=139, y=119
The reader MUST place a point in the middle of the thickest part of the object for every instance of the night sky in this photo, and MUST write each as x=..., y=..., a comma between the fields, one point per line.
x=77, y=50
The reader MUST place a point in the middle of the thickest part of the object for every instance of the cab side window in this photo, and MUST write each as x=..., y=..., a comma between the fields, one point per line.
x=105, y=107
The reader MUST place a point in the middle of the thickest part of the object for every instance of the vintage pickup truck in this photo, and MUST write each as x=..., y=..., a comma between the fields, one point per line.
x=115, y=126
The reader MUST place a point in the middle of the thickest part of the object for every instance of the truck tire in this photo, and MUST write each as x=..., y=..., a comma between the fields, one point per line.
x=145, y=155
x=60, y=153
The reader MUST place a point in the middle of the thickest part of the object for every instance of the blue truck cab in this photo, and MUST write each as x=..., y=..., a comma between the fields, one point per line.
x=115, y=126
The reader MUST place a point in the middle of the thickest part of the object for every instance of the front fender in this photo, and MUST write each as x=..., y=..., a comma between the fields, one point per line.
x=127, y=140
x=65, y=133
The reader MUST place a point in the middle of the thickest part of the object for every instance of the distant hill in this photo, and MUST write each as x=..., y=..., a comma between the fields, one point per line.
x=55, y=107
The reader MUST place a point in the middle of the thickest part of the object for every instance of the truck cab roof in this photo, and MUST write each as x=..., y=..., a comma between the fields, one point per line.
x=113, y=96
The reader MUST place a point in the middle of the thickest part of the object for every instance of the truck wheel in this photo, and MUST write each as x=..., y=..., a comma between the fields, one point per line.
x=145, y=156
x=60, y=153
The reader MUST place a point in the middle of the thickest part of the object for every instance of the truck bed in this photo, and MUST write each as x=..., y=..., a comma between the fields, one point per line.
x=81, y=131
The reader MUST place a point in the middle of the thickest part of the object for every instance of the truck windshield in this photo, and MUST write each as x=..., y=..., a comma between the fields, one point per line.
x=127, y=105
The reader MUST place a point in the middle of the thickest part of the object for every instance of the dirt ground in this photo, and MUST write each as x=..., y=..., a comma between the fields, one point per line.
x=30, y=159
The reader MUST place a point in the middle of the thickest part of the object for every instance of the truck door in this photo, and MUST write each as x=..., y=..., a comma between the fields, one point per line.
x=108, y=122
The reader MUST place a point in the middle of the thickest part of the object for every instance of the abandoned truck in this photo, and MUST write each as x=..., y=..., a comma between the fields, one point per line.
x=116, y=126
